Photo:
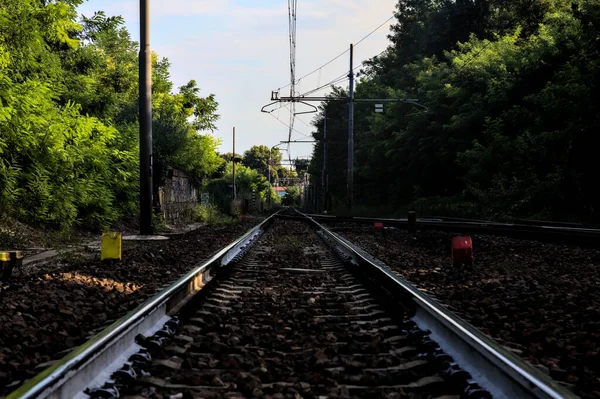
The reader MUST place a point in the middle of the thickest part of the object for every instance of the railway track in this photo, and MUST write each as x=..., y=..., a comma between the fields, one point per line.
x=291, y=310
x=539, y=230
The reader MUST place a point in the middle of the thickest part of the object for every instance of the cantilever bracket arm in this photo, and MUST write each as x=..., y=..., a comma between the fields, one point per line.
x=314, y=110
x=268, y=105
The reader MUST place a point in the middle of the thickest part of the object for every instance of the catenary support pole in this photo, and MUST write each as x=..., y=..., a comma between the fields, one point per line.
x=145, y=105
x=324, y=177
x=269, y=173
x=350, y=185
x=233, y=165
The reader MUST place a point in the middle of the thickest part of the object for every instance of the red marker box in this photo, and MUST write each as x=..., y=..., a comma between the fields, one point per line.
x=462, y=251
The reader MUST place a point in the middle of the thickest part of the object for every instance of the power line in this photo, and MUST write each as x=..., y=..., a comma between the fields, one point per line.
x=286, y=125
x=332, y=82
x=319, y=68
x=341, y=54
x=297, y=117
x=292, y=7
x=296, y=130
x=340, y=78
x=373, y=31
x=292, y=14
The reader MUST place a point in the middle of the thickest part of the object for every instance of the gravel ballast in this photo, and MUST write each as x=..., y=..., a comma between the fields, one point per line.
x=47, y=312
x=288, y=320
x=538, y=299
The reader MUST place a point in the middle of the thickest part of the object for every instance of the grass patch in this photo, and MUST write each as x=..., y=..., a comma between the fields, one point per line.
x=212, y=216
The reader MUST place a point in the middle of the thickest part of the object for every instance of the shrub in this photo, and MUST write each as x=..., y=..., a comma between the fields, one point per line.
x=211, y=215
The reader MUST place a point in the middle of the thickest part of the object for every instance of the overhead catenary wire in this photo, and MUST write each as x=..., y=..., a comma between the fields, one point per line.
x=340, y=54
x=339, y=79
x=318, y=69
x=286, y=125
x=303, y=122
x=374, y=30
x=297, y=117
x=292, y=17
x=330, y=83
x=304, y=135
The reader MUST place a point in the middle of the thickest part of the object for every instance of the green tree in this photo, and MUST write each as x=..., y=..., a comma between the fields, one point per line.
x=292, y=196
x=510, y=122
x=69, y=119
x=301, y=167
x=56, y=162
x=257, y=157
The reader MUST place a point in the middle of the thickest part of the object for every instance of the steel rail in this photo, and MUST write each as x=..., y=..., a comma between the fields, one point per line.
x=520, y=224
x=66, y=377
x=503, y=373
x=578, y=235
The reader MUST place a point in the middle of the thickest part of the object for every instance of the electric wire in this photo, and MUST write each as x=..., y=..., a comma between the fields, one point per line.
x=292, y=14
x=374, y=30
x=340, y=78
x=292, y=19
x=285, y=124
x=341, y=54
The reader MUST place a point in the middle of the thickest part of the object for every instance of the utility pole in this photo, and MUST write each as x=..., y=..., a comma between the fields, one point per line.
x=324, y=176
x=233, y=165
x=275, y=98
x=269, y=167
x=351, y=131
x=269, y=172
x=145, y=107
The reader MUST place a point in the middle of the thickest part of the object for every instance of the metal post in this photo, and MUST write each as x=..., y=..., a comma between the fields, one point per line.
x=269, y=167
x=233, y=165
x=325, y=174
x=145, y=106
x=324, y=177
x=351, y=132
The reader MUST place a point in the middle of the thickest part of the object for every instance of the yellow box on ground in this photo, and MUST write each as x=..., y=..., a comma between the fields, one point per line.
x=111, y=245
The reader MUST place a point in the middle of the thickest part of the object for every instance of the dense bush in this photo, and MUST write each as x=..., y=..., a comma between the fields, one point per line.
x=512, y=116
x=69, y=120
x=212, y=215
x=247, y=180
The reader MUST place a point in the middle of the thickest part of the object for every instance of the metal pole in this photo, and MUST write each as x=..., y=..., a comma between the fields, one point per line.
x=269, y=167
x=351, y=132
x=324, y=177
x=145, y=105
x=233, y=165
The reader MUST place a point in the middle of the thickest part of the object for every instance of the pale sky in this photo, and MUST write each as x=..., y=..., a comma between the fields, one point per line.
x=239, y=50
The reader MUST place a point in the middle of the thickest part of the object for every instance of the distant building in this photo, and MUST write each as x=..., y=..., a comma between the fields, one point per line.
x=280, y=191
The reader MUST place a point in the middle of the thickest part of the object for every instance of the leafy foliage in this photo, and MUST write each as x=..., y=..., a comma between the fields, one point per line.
x=292, y=196
x=69, y=119
x=212, y=215
x=261, y=157
x=247, y=180
x=511, y=122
